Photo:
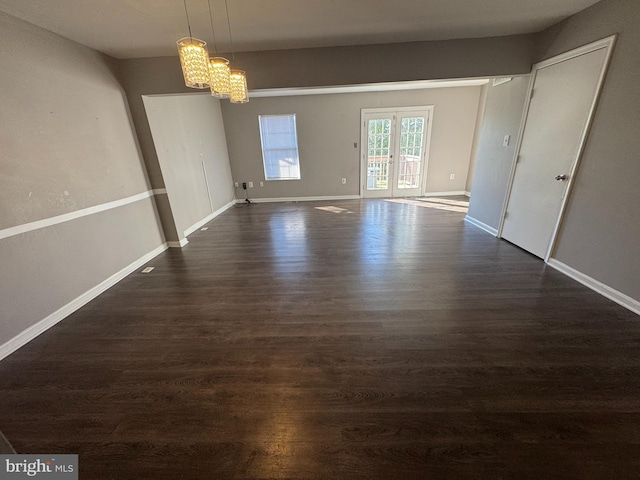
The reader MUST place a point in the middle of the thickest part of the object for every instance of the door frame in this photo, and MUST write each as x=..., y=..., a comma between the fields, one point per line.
x=607, y=43
x=364, y=141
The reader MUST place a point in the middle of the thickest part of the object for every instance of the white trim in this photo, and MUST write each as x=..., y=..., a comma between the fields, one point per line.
x=481, y=225
x=66, y=217
x=208, y=218
x=444, y=194
x=179, y=244
x=159, y=191
x=301, y=199
x=599, y=287
x=34, y=330
x=606, y=42
x=467, y=194
x=357, y=88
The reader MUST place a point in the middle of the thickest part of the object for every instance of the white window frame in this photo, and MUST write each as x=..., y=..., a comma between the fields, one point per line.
x=262, y=147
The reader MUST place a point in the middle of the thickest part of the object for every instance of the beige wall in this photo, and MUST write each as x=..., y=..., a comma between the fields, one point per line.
x=66, y=143
x=189, y=133
x=502, y=116
x=600, y=233
x=329, y=125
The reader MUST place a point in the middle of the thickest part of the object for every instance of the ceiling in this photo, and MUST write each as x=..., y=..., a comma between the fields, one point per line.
x=147, y=28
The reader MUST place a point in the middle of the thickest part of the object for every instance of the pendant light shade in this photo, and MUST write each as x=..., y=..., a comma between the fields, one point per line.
x=239, y=93
x=194, y=59
x=220, y=82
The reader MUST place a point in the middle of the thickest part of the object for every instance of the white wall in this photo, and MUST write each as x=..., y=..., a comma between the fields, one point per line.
x=329, y=125
x=188, y=133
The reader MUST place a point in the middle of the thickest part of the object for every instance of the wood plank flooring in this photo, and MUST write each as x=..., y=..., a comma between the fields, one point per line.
x=382, y=341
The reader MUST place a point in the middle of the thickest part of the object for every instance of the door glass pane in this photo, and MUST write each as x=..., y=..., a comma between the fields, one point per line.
x=379, y=144
x=411, y=135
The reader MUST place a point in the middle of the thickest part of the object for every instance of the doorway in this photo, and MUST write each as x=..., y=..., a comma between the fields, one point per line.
x=395, y=151
x=563, y=95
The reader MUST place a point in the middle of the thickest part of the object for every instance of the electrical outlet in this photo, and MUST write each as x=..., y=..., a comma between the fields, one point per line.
x=344, y=181
x=505, y=141
x=244, y=185
x=237, y=184
x=452, y=176
x=262, y=184
x=250, y=184
x=148, y=269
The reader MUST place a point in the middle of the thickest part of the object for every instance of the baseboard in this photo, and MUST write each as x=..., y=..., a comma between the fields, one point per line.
x=445, y=194
x=302, y=199
x=33, y=331
x=208, y=218
x=179, y=244
x=467, y=194
x=482, y=225
x=604, y=290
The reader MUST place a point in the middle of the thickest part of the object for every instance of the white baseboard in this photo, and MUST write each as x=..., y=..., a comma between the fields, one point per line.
x=208, y=218
x=467, y=194
x=301, y=199
x=445, y=194
x=604, y=290
x=179, y=244
x=33, y=331
x=482, y=225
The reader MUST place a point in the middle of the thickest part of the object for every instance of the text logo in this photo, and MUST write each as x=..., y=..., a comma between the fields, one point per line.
x=49, y=467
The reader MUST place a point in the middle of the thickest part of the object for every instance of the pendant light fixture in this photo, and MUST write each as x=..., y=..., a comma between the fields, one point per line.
x=238, y=78
x=219, y=72
x=239, y=93
x=194, y=59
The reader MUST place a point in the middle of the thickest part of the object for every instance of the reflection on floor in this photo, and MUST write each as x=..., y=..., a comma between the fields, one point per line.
x=451, y=204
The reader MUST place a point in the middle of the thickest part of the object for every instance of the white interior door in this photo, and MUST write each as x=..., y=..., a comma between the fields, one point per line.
x=395, y=147
x=563, y=97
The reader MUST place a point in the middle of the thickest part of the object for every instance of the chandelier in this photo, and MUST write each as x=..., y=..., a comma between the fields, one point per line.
x=201, y=71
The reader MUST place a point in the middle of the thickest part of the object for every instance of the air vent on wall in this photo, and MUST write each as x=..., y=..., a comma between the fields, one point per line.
x=501, y=80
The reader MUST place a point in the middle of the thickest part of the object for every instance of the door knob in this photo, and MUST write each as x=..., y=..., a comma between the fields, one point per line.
x=561, y=178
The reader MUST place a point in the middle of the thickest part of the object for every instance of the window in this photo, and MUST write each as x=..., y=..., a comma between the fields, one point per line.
x=279, y=147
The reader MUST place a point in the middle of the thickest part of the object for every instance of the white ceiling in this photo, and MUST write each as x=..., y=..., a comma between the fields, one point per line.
x=144, y=28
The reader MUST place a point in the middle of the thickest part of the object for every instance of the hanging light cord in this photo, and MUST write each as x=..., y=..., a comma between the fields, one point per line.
x=213, y=32
x=188, y=23
x=233, y=54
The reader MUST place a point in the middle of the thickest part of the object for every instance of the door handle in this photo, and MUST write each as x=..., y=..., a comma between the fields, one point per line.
x=561, y=178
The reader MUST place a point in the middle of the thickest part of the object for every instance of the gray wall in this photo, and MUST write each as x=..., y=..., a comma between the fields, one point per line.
x=66, y=143
x=479, y=57
x=482, y=101
x=329, y=125
x=600, y=233
x=502, y=116
x=188, y=133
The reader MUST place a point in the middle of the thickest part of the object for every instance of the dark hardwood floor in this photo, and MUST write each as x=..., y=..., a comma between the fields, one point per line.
x=384, y=340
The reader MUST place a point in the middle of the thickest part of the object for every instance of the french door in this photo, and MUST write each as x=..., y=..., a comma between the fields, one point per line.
x=394, y=151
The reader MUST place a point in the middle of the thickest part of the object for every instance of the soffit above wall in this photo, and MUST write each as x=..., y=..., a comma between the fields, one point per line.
x=147, y=28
